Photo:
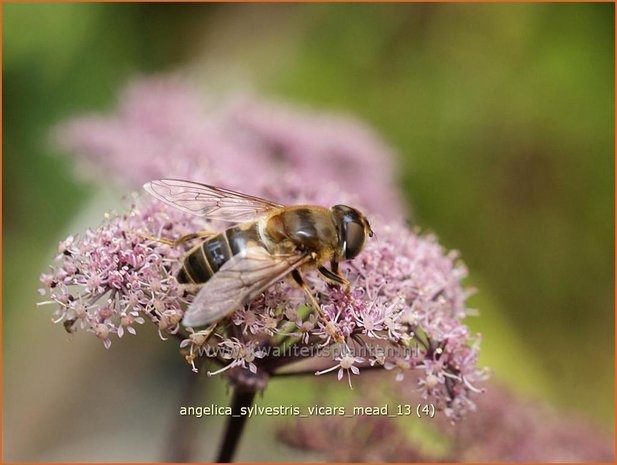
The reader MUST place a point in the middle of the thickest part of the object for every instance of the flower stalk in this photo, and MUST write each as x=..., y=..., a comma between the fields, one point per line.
x=241, y=401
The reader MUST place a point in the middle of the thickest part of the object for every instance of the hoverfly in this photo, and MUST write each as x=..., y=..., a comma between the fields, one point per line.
x=269, y=242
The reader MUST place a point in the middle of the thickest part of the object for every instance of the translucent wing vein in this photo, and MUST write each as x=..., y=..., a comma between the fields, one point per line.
x=239, y=281
x=212, y=202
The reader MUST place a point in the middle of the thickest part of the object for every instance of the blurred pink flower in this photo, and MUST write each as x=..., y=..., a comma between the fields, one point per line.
x=163, y=128
x=506, y=428
x=512, y=428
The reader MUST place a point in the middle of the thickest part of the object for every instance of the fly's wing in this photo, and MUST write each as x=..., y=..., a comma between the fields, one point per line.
x=215, y=203
x=237, y=282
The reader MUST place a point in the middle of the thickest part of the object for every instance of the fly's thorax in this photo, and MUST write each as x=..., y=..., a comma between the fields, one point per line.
x=306, y=229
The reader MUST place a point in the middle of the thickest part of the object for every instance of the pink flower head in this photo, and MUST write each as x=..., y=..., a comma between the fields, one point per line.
x=507, y=428
x=110, y=278
x=163, y=128
x=405, y=305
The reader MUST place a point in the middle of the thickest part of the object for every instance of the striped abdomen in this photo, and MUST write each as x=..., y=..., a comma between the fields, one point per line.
x=205, y=259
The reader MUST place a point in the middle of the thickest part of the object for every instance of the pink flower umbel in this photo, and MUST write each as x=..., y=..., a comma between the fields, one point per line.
x=111, y=277
x=402, y=311
x=506, y=428
x=404, y=306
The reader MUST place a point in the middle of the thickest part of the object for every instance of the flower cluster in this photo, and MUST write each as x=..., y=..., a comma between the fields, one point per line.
x=403, y=310
x=407, y=291
x=404, y=293
x=112, y=277
x=163, y=129
x=506, y=428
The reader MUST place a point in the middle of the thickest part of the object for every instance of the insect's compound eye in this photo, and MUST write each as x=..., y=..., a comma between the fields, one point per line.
x=351, y=230
x=355, y=236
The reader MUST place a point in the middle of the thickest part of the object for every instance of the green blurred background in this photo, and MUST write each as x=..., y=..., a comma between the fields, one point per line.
x=503, y=117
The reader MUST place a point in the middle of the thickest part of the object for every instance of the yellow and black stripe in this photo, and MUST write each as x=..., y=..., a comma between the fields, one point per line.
x=207, y=258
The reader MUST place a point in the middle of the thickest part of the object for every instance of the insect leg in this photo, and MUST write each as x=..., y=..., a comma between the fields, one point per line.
x=195, y=235
x=181, y=240
x=338, y=337
x=337, y=272
x=201, y=337
x=333, y=277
